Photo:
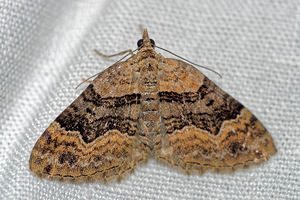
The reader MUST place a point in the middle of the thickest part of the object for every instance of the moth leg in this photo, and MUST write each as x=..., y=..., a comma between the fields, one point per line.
x=113, y=55
x=86, y=80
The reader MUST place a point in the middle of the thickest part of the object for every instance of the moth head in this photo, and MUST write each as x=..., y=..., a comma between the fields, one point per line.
x=145, y=41
x=140, y=43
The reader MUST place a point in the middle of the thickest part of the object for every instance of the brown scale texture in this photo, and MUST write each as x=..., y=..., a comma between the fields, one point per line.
x=149, y=106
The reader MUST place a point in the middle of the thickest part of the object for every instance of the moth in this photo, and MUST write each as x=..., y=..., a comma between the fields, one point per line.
x=149, y=106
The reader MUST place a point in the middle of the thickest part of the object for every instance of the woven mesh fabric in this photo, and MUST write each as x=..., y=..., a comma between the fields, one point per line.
x=46, y=47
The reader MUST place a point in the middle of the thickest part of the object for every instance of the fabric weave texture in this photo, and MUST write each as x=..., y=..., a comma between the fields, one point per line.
x=46, y=48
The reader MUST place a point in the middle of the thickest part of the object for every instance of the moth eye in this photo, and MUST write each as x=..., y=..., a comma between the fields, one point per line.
x=140, y=43
x=152, y=42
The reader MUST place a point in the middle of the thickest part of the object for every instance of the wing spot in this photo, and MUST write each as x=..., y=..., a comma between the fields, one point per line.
x=210, y=102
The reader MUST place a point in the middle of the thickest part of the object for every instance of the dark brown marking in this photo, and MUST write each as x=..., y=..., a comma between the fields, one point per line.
x=68, y=158
x=47, y=169
x=235, y=148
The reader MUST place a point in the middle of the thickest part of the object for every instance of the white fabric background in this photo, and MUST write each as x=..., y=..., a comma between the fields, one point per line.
x=46, y=47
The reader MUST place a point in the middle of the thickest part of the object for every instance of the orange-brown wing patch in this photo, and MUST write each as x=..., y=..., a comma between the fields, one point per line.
x=208, y=129
x=64, y=155
x=95, y=137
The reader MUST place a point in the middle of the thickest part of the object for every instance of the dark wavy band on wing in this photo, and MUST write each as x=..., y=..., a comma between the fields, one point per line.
x=226, y=108
x=81, y=115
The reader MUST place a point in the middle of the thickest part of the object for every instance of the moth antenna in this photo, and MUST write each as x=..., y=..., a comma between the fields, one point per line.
x=207, y=68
